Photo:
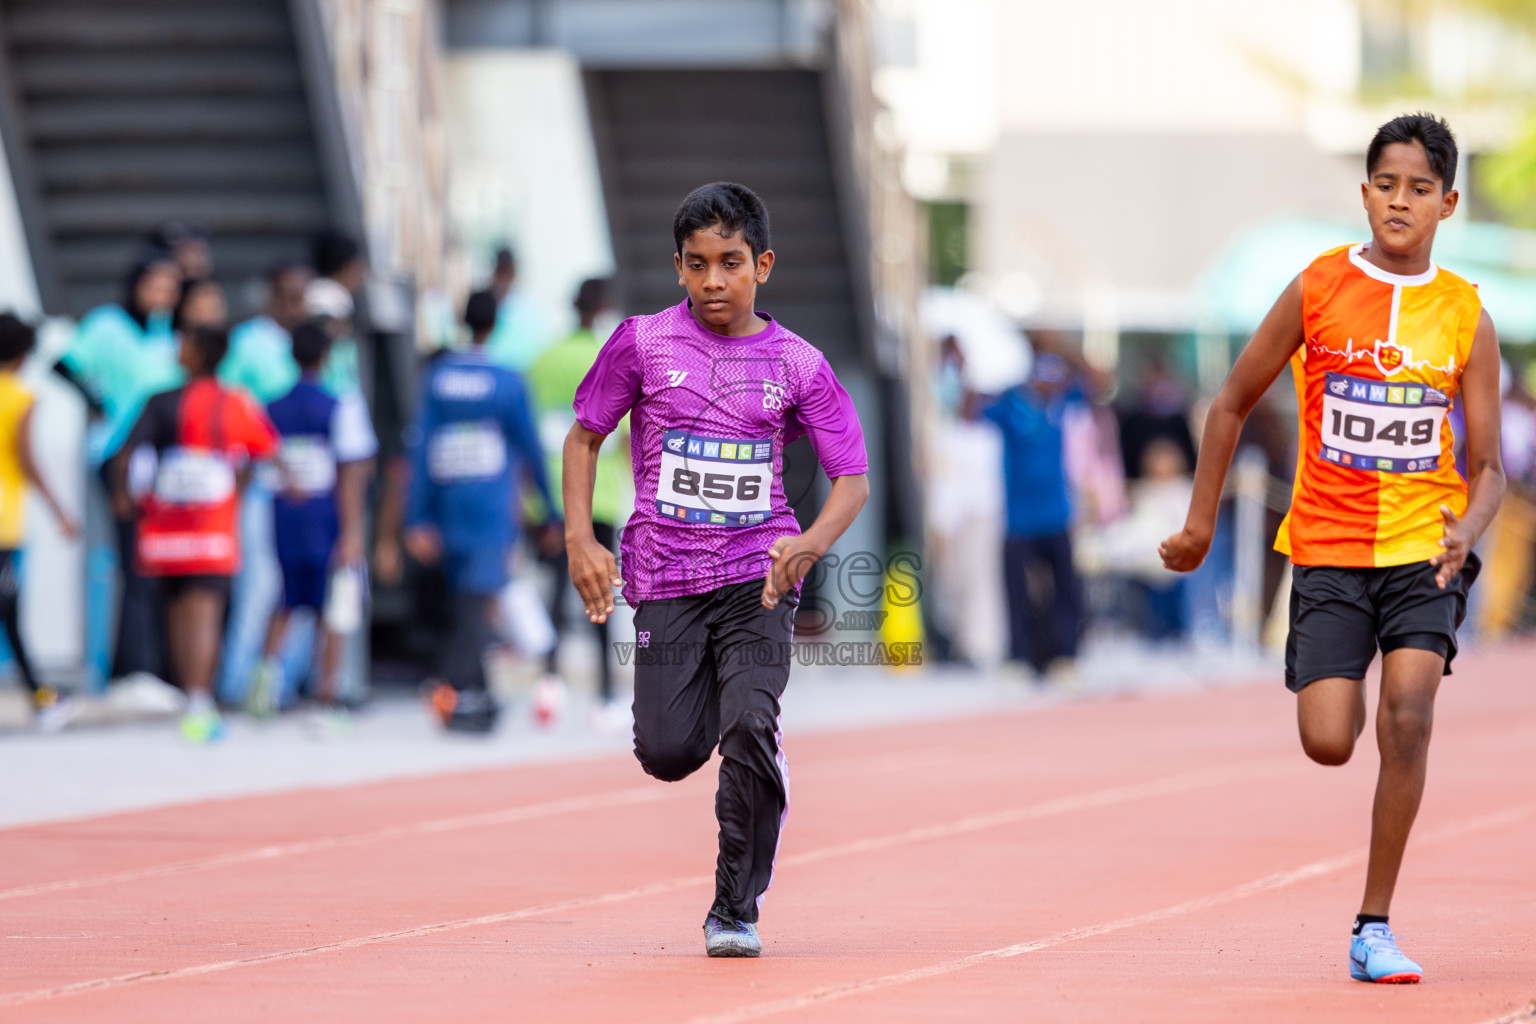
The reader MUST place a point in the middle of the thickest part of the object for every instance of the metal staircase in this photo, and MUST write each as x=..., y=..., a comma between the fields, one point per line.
x=121, y=116
x=656, y=143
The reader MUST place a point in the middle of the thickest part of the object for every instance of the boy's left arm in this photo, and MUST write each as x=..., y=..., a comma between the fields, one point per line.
x=828, y=416
x=794, y=556
x=1485, y=465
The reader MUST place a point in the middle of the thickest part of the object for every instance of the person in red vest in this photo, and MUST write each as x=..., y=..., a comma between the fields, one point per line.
x=204, y=438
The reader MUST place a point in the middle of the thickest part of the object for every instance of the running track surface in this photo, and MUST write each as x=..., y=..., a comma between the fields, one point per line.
x=1156, y=859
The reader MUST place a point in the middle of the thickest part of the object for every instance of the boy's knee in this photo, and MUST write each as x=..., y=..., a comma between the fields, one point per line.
x=671, y=762
x=753, y=736
x=1407, y=726
x=1328, y=748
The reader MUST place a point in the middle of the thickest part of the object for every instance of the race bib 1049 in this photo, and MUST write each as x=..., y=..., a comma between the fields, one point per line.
x=1381, y=427
x=714, y=480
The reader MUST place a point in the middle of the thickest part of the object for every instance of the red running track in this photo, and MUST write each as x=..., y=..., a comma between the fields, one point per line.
x=1158, y=859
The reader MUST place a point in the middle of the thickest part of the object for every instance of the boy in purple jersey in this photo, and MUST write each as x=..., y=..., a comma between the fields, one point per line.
x=712, y=555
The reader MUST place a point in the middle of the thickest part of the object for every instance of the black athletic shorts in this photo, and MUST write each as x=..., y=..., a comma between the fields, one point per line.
x=172, y=587
x=1339, y=616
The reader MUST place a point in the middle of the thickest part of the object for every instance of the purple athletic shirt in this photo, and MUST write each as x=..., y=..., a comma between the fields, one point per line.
x=710, y=418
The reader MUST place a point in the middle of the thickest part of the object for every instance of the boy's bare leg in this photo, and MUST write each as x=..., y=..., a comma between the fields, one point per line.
x=277, y=628
x=1331, y=716
x=331, y=647
x=195, y=619
x=1409, y=681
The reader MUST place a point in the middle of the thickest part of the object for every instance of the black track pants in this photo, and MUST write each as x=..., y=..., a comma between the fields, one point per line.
x=710, y=668
x=10, y=616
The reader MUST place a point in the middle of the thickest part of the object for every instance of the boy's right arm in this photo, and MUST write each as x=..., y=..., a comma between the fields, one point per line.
x=593, y=570
x=1273, y=344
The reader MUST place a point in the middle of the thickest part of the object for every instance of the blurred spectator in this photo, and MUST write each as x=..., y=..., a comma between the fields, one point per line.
x=331, y=297
x=1045, y=597
x=1159, y=409
x=1508, y=602
x=202, y=305
x=521, y=333
x=119, y=356
x=260, y=359
x=553, y=379
x=1159, y=501
x=191, y=247
x=261, y=362
x=474, y=417
x=327, y=445
x=949, y=382
x=204, y=437
x=18, y=473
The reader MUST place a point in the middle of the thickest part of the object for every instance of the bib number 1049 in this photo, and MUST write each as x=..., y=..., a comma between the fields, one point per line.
x=1381, y=427
x=1363, y=429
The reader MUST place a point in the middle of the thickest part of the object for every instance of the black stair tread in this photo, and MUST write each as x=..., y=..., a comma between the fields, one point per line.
x=748, y=95
x=649, y=140
x=88, y=214
x=237, y=118
x=107, y=256
x=679, y=175
x=159, y=72
x=133, y=24
x=261, y=167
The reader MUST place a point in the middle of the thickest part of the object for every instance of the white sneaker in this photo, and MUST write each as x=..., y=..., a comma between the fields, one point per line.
x=56, y=717
x=549, y=700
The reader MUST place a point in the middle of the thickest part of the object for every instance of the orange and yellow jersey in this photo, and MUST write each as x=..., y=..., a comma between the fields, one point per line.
x=1376, y=376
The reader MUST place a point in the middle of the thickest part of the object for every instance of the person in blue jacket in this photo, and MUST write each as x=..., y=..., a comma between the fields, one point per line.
x=474, y=430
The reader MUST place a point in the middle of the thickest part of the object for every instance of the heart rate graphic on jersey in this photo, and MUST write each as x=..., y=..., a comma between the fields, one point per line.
x=715, y=480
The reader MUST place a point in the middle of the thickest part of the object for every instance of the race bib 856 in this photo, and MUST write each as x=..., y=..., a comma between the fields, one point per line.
x=1381, y=427
x=720, y=481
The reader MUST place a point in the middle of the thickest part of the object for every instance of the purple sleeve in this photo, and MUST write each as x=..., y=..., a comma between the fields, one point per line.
x=611, y=388
x=827, y=414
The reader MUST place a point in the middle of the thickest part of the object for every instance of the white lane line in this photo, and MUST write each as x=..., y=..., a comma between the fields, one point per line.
x=1063, y=805
x=1171, y=786
x=97, y=984
x=1520, y=1016
x=488, y=819
x=1269, y=883
x=507, y=816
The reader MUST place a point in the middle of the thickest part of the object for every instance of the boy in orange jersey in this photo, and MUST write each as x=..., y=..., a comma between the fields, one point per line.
x=1381, y=343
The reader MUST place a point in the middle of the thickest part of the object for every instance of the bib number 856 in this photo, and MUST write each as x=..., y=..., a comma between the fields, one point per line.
x=1399, y=432
x=716, y=486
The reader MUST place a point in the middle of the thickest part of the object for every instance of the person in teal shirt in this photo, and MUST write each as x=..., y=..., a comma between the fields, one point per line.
x=260, y=356
x=552, y=380
x=122, y=354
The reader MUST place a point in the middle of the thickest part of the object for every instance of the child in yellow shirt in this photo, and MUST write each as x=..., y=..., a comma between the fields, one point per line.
x=18, y=471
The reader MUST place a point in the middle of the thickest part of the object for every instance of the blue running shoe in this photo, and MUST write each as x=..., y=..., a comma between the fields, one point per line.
x=1374, y=956
x=724, y=937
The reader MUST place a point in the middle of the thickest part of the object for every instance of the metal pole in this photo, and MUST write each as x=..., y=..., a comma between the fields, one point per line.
x=1250, y=479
